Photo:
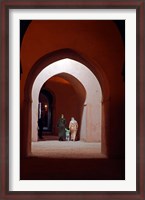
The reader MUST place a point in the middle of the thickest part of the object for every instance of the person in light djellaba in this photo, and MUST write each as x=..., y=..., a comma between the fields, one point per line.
x=73, y=127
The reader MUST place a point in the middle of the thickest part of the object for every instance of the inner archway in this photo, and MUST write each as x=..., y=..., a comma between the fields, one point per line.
x=70, y=96
x=90, y=130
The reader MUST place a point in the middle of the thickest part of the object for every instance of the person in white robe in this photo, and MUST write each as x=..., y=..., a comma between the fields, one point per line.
x=73, y=127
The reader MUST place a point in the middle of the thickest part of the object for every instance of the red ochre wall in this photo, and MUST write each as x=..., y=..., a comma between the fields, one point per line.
x=100, y=43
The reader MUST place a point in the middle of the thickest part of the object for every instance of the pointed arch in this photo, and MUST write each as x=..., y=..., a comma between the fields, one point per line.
x=86, y=83
x=94, y=68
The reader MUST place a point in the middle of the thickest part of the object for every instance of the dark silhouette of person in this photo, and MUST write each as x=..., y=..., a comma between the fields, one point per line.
x=61, y=128
x=40, y=125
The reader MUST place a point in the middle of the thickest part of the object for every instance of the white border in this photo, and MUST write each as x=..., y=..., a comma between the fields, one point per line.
x=14, y=130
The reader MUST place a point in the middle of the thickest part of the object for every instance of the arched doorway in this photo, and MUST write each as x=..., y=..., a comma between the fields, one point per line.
x=41, y=64
x=75, y=72
x=70, y=96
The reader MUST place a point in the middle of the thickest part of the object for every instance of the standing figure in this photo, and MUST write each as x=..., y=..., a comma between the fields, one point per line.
x=40, y=125
x=67, y=134
x=61, y=128
x=73, y=126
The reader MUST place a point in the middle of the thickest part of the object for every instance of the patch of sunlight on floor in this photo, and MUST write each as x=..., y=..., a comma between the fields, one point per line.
x=66, y=149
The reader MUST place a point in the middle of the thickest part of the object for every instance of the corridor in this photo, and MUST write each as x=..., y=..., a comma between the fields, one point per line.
x=78, y=72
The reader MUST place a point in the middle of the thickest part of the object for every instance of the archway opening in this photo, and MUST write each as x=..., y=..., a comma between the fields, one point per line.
x=70, y=96
x=82, y=98
x=40, y=65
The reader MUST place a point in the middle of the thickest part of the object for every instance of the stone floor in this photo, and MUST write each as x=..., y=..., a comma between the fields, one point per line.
x=66, y=149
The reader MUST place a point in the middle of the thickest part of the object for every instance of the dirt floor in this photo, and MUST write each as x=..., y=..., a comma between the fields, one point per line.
x=66, y=149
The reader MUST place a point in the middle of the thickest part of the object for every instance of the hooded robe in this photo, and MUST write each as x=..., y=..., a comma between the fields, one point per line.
x=73, y=127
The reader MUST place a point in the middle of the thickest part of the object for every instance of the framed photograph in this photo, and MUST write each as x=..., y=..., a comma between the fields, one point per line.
x=72, y=103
